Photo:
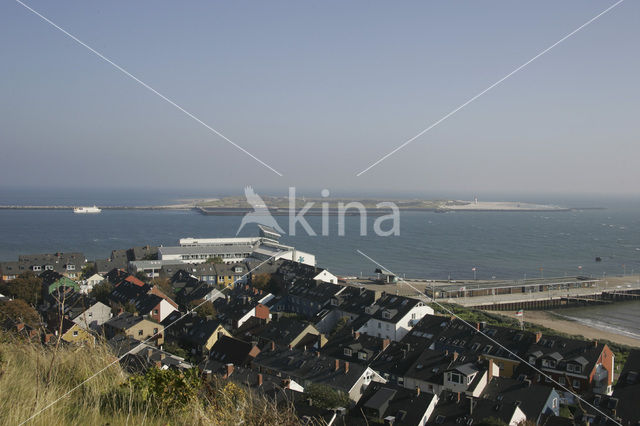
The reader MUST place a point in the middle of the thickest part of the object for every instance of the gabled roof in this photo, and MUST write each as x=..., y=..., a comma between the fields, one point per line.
x=404, y=406
x=232, y=350
x=304, y=366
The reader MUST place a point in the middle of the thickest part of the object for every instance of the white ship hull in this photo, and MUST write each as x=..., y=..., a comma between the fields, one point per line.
x=87, y=210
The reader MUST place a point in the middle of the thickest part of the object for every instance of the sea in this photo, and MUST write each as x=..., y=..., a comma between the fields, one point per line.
x=498, y=245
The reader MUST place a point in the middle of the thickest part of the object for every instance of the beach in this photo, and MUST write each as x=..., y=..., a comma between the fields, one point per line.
x=562, y=325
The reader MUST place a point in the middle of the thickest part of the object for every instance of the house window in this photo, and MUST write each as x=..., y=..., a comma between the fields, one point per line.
x=561, y=380
x=379, y=325
x=386, y=314
x=75, y=333
x=37, y=268
x=554, y=403
x=413, y=316
x=576, y=384
x=347, y=351
x=139, y=332
x=71, y=267
x=362, y=355
x=48, y=268
x=90, y=314
x=455, y=378
x=155, y=331
x=155, y=312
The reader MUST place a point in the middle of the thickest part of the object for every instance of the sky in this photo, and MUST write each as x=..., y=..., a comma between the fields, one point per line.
x=319, y=91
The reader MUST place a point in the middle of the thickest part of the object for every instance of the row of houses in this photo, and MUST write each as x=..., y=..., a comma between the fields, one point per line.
x=396, y=361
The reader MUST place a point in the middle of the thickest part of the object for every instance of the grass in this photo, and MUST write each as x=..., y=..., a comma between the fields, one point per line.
x=30, y=382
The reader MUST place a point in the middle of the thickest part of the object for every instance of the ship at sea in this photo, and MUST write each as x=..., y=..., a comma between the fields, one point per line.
x=86, y=210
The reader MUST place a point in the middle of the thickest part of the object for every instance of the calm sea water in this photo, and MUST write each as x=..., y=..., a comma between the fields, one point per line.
x=435, y=245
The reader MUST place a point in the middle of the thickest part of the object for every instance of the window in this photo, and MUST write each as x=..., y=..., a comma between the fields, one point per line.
x=455, y=378
x=554, y=403
x=347, y=351
x=139, y=332
x=155, y=331
x=379, y=325
x=75, y=333
x=561, y=380
x=155, y=312
x=362, y=355
x=48, y=268
x=576, y=384
x=386, y=314
x=37, y=268
x=71, y=267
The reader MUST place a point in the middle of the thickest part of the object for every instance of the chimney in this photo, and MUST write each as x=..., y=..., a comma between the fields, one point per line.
x=158, y=364
x=273, y=346
x=595, y=343
x=385, y=343
x=538, y=336
x=259, y=379
x=527, y=382
x=455, y=356
x=478, y=326
x=458, y=397
x=229, y=370
x=417, y=390
x=356, y=335
x=286, y=383
x=290, y=347
x=337, y=366
x=318, y=354
x=346, y=367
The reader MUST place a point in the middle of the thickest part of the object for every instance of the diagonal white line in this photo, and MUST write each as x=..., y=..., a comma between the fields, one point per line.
x=407, y=142
x=450, y=312
x=96, y=374
x=145, y=85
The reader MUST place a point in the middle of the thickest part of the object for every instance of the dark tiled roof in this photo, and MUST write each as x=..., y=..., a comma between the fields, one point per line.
x=231, y=350
x=303, y=366
x=381, y=401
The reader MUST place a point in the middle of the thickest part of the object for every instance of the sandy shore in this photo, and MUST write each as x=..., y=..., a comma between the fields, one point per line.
x=554, y=322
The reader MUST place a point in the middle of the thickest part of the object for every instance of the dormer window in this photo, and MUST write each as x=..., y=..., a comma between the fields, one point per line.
x=237, y=269
x=574, y=368
x=456, y=378
x=347, y=351
x=37, y=268
x=386, y=314
x=71, y=267
x=334, y=302
x=48, y=268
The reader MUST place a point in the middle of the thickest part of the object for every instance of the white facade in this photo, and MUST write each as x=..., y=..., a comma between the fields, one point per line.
x=369, y=375
x=94, y=317
x=166, y=308
x=87, y=285
x=396, y=330
x=326, y=277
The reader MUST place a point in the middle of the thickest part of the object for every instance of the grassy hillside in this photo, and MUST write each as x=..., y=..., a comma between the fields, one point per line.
x=33, y=376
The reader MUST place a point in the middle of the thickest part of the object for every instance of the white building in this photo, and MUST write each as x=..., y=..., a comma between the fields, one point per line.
x=392, y=317
x=94, y=316
x=87, y=285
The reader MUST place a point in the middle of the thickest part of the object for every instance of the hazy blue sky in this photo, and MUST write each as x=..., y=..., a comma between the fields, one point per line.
x=320, y=90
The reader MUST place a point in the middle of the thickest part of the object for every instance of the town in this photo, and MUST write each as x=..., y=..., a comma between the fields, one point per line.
x=264, y=316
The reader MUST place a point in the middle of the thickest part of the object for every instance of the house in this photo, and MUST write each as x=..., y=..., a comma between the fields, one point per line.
x=201, y=334
x=135, y=326
x=231, y=350
x=242, y=303
x=284, y=332
x=453, y=335
x=136, y=357
x=308, y=297
x=391, y=317
x=306, y=368
x=392, y=404
x=354, y=347
x=93, y=317
x=396, y=360
x=230, y=274
x=67, y=264
x=74, y=333
x=55, y=285
x=87, y=285
x=625, y=394
x=583, y=366
x=508, y=400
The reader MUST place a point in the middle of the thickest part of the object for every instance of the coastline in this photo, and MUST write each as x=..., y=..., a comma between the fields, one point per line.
x=560, y=324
